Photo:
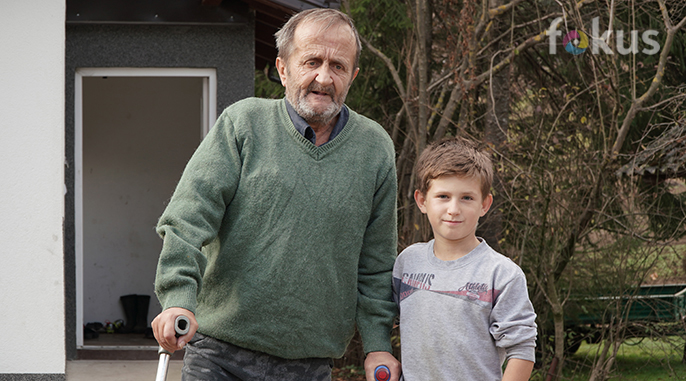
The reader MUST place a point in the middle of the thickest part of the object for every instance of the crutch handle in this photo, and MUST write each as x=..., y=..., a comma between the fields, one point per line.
x=382, y=373
x=181, y=326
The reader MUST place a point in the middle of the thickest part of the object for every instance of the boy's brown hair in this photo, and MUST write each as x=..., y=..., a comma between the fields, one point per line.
x=454, y=156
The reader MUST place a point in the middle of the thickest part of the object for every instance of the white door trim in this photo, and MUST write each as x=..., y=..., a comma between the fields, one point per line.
x=209, y=112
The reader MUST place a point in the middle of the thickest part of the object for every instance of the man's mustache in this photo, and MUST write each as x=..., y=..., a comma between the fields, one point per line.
x=329, y=90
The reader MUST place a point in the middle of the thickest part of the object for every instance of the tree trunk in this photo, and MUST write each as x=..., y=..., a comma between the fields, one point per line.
x=423, y=32
x=422, y=56
x=559, y=324
x=495, y=134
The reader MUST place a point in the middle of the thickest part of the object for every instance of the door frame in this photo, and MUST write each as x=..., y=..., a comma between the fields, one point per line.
x=209, y=112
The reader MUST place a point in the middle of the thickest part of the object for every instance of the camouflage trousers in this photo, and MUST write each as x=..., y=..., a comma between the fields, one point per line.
x=209, y=359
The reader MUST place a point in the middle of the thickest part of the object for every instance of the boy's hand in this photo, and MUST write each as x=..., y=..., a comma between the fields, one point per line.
x=163, y=329
x=375, y=359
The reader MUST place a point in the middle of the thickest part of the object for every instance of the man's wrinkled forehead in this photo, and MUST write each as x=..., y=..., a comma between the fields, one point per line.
x=313, y=29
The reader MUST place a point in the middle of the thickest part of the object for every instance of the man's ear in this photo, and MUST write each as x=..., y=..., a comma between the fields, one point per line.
x=420, y=199
x=355, y=74
x=281, y=69
x=486, y=204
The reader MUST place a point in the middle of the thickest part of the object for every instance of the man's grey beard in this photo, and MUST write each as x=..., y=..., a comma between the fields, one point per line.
x=304, y=109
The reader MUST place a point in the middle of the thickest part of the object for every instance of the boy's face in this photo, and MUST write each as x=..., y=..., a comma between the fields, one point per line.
x=453, y=205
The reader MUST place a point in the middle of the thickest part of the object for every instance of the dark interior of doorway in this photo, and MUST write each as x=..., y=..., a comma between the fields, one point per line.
x=138, y=133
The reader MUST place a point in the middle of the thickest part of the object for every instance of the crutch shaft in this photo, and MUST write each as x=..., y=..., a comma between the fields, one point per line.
x=181, y=327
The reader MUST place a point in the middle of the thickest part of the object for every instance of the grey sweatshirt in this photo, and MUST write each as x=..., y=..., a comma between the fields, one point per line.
x=461, y=319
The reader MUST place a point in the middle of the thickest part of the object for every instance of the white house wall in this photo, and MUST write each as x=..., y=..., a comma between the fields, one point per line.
x=32, y=38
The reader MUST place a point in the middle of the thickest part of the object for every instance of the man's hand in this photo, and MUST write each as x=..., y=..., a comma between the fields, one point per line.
x=375, y=359
x=163, y=328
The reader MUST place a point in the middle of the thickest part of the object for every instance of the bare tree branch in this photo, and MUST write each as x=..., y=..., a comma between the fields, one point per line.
x=396, y=78
x=495, y=12
x=389, y=64
x=637, y=104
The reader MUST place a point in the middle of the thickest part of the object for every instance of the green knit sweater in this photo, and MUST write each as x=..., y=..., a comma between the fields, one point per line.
x=281, y=246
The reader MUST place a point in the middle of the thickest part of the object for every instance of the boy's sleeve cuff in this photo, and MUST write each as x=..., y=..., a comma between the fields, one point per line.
x=522, y=352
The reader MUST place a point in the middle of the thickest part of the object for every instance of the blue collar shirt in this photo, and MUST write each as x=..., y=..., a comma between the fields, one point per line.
x=305, y=130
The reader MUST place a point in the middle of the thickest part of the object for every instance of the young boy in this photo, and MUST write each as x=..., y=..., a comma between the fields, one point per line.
x=464, y=308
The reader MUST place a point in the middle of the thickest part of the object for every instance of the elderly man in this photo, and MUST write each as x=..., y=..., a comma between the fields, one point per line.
x=281, y=235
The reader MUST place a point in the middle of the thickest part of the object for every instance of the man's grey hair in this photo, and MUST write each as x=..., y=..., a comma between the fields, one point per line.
x=327, y=17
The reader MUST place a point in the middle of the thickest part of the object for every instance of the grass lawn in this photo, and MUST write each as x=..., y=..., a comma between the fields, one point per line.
x=637, y=360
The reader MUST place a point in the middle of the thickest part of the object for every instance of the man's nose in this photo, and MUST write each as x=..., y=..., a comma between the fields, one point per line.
x=324, y=75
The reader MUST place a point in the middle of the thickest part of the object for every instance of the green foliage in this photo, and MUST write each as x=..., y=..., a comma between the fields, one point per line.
x=384, y=23
x=378, y=18
x=267, y=88
x=637, y=360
